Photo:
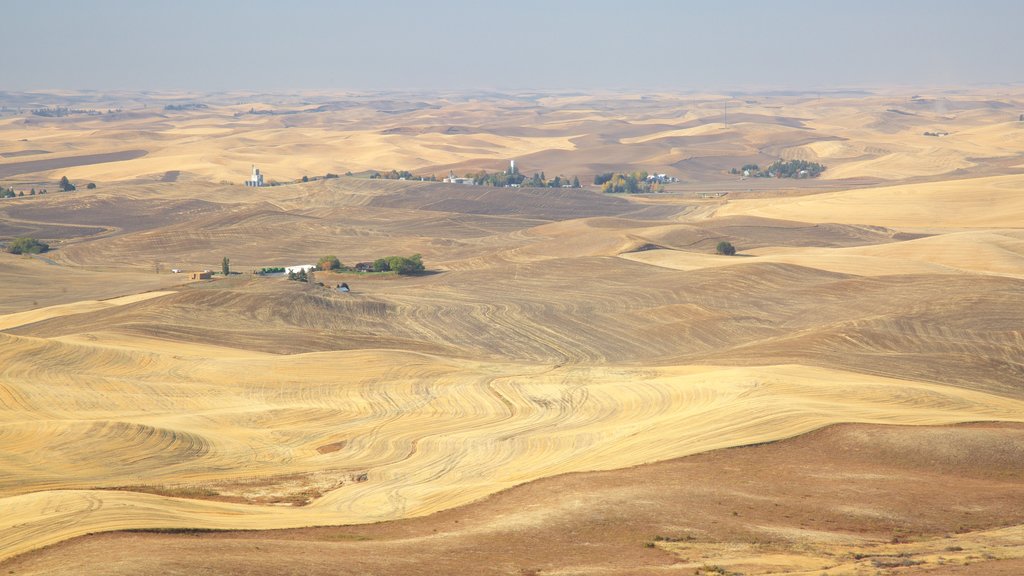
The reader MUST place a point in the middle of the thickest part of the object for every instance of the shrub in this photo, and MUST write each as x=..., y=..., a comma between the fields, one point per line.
x=725, y=248
x=90, y=186
x=25, y=245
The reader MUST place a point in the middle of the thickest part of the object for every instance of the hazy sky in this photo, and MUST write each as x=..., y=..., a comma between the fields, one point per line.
x=439, y=44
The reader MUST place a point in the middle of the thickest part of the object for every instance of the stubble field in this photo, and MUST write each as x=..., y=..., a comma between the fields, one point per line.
x=565, y=390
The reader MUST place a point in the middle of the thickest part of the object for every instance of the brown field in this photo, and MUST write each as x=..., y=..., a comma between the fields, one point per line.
x=573, y=377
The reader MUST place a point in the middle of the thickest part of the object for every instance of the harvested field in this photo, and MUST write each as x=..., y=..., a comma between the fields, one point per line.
x=524, y=406
x=9, y=169
x=847, y=499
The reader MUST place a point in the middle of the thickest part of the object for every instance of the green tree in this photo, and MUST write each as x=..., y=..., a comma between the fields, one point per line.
x=27, y=245
x=406, y=265
x=66, y=184
x=225, y=266
x=381, y=265
x=725, y=248
x=575, y=181
x=90, y=186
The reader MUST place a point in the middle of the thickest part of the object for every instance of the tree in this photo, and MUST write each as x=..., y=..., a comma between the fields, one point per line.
x=381, y=265
x=328, y=263
x=406, y=265
x=725, y=248
x=225, y=266
x=575, y=181
x=305, y=178
x=66, y=184
x=90, y=186
x=27, y=245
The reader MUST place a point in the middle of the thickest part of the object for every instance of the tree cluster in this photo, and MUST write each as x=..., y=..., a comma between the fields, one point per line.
x=300, y=276
x=400, y=264
x=401, y=175
x=725, y=248
x=782, y=169
x=632, y=183
x=26, y=245
x=328, y=263
x=187, y=106
x=513, y=177
x=61, y=111
x=66, y=184
x=306, y=178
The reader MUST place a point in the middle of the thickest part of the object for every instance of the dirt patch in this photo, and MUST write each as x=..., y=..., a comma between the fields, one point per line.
x=332, y=447
x=289, y=489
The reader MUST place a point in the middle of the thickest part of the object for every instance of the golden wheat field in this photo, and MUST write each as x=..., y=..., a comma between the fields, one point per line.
x=575, y=369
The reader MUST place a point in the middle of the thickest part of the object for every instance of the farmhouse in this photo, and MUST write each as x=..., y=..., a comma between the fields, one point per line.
x=204, y=275
x=299, y=268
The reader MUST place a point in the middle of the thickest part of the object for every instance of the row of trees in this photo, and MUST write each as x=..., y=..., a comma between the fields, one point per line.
x=65, y=186
x=514, y=178
x=782, y=169
x=400, y=264
x=632, y=183
x=327, y=176
x=10, y=193
x=401, y=175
